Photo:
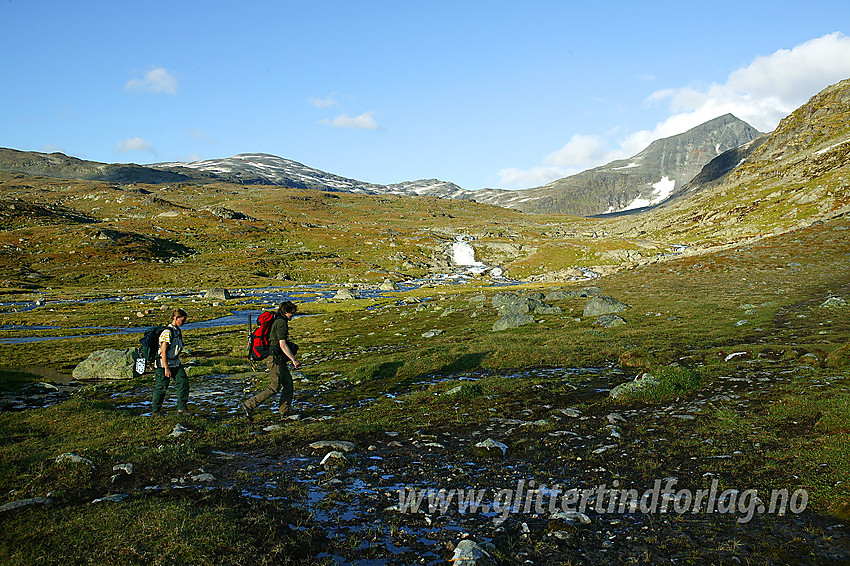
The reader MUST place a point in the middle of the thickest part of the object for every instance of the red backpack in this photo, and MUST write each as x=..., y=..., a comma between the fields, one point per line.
x=258, y=340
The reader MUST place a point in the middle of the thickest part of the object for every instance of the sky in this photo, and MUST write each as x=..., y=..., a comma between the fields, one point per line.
x=503, y=94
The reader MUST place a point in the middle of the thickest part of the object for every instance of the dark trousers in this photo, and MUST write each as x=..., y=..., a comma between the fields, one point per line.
x=181, y=381
x=279, y=380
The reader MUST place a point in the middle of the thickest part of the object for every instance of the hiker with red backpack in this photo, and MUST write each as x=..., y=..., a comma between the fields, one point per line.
x=279, y=350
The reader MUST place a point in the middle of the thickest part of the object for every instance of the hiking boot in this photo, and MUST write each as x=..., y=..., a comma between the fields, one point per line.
x=285, y=410
x=246, y=412
x=158, y=412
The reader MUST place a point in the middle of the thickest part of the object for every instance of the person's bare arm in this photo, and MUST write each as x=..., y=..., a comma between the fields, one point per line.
x=163, y=355
x=288, y=353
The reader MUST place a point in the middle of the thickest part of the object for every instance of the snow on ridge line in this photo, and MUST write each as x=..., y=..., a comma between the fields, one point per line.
x=631, y=165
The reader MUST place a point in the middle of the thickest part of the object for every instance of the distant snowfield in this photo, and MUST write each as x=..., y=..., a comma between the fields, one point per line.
x=629, y=166
x=662, y=189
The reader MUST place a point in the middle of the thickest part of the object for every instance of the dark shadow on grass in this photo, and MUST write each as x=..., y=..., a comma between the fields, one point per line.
x=386, y=370
x=466, y=362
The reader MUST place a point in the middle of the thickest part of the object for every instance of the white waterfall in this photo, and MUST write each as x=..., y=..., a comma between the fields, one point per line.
x=463, y=253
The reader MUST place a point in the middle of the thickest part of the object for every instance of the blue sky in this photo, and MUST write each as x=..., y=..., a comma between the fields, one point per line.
x=483, y=94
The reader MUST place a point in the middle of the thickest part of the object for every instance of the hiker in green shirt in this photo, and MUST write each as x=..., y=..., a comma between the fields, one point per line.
x=167, y=365
x=282, y=350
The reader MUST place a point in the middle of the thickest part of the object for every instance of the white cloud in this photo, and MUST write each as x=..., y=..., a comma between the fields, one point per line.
x=534, y=177
x=581, y=150
x=365, y=121
x=156, y=80
x=134, y=144
x=761, y=94
x=328, y=102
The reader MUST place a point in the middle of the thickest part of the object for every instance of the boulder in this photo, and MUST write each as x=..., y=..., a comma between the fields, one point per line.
x=642, y=381
x=107, y=364
x=561, y=295
x=470, y=553
x=389, y=285
x=600, y=304
x=512, y=321
x=834, y=302
x=218, y=294
x=491, y=448
x=510, y=303
x=345, y=294
x=610, y=321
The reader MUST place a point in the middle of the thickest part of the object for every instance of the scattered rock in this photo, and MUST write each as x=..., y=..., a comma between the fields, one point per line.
x=389, y=285
x=834, y=302
x=125, y=468
x=491, y=448
x=334, y=459
x=203, y=477
x=116, y=498
x=571, y=517
x=432, y=333
x=610, y=321
x=346, y=294
x=12, y=505
x=179, y=430
x=512, y=321
x=71, y=458
x=570, y=412
x=601, y=304
x=218, y=293
x=338, y=445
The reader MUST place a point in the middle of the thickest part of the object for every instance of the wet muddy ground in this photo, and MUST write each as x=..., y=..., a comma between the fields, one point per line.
x=539, y=502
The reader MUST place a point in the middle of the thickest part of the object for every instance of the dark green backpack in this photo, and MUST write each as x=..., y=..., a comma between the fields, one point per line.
x=148, y=349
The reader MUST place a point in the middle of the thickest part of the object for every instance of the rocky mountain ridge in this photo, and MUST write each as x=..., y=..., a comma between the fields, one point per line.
x=647, y=178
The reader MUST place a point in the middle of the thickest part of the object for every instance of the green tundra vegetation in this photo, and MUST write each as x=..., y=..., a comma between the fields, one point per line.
x=757, y=299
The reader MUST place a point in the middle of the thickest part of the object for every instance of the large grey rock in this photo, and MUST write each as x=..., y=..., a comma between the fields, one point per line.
x=218, y=294
x=345, y=294
x=510, y=303
x=642, y=381
x=470, y=553
x=512, y=321
x=513, y=304
x=389, y=285
x=106, y=364
x=601, y=304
